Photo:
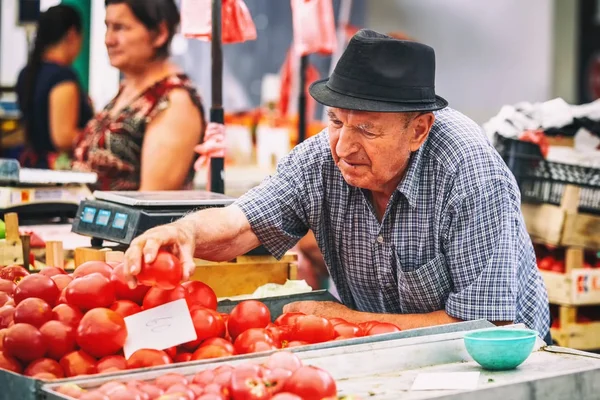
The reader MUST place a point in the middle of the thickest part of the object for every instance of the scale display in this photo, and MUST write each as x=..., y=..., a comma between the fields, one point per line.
x=121, y=216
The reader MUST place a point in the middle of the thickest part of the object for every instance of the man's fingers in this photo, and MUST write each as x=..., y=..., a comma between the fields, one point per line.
x=151, y=249
x=132, y=263
x=187, y=260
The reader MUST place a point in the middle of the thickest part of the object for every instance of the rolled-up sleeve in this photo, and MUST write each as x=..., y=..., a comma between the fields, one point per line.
x=275, y=208
x=482, y=250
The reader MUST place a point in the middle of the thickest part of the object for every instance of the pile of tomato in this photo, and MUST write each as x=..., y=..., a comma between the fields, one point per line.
x=281, y=377
x=55, y=325
x=551, y=258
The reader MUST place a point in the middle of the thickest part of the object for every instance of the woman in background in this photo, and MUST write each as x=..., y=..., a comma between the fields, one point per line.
x=144, y=138
x=53, y=105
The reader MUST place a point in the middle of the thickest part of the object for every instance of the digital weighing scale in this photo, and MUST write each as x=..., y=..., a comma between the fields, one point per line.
x=119, y=217
x=39, y=194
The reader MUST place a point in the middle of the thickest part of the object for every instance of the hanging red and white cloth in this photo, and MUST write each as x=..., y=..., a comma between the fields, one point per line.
x=237, y=24
x=314, y=27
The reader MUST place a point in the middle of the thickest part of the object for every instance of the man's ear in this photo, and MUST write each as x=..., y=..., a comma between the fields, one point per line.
x=418, y=130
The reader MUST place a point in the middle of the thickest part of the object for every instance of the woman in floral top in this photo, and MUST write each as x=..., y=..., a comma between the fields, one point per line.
x=144, y=139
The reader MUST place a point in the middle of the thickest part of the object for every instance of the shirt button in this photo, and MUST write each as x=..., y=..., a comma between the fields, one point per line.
x=380, y=239
x=389, y=286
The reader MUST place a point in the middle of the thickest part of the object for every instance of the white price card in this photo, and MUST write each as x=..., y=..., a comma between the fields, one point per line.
x=446, y=381
x=159, y=328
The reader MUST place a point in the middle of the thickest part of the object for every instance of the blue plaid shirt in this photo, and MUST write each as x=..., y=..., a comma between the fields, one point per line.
x=453, y=236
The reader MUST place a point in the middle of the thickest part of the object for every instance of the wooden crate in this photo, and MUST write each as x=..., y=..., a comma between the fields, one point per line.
x=575, y=335
x=246, y=273
x=240, y=276
x=577, y=286
x=562, y=225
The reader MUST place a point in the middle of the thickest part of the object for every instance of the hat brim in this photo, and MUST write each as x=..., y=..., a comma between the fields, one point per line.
x=324, y=95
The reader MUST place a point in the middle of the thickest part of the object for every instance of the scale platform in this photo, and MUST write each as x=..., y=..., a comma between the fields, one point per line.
x=119, y=217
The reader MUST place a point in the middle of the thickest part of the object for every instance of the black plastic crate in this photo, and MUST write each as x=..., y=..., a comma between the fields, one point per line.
x=543, y=181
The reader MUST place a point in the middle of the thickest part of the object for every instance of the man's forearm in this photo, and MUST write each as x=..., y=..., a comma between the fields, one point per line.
x=220, y=234
x=405, y=321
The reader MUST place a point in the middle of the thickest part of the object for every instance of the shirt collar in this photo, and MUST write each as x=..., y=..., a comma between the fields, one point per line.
x=409, y=185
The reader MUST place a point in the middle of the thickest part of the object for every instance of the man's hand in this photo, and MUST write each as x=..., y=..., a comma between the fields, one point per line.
x=177, y=237
x=325, y=309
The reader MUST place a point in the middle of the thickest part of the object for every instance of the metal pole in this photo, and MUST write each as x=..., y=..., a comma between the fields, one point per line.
x=217, y=183
x=302, y=100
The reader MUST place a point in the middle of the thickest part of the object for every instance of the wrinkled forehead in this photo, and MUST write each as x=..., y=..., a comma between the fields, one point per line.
x=366, y=120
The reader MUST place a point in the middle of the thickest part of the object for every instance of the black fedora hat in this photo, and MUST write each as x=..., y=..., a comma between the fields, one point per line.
x=381, y=74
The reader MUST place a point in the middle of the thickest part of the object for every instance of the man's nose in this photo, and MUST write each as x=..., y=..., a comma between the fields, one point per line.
x=346, y=144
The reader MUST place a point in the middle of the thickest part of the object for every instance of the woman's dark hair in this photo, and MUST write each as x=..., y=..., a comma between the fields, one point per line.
x=152, y=13
x=52, y=27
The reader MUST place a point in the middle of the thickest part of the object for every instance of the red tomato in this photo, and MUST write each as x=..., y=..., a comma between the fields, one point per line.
x=2, y=333
x=44, y=365
x=151, y=390
x=247, y=385
x=13, y=273
x=281, y=334
x=275, y=379
x=61, y=281
x=10, y=363
x=365, y=326
x=91, y=267
x=24, y=342
x=78, y=363
x=165, y=272
x=7, y=286
x=347, y=330
x=144, y=358
x=6, y=316
x=545, y=263
x=244, y=343
x=207, y=323
x=114, y=363
x=197, y=389
x=382, y=327
x=166, y=381
x=558, y=266
x=90, y=291
x=101, y=332
x=246, y=315
x=45, y=376
x=180, y=391
x=52, y=271
x=39, y=286
x=183, y=357
x=171, y=352
x=311, y=383
x=62, y=299
x=217, y=341
x=67, y=314
x=122, y=288
x=284, y=359
x=313, y=329
x=4, y=298
x=32, y=311
x=211, y=396
x=204, y=378
x=212, y=351
x=59, y=337
x=156, y=297
x=200, y=294
x=288, y=318
x=125, y=308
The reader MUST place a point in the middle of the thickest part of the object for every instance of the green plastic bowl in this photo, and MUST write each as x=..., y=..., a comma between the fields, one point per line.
x=500, y=349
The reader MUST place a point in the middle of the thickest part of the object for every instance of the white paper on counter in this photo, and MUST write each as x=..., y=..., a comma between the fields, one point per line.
x=159, y=328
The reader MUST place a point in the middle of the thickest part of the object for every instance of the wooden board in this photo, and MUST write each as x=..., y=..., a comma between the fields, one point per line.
x=245, y=274
x=556, y=226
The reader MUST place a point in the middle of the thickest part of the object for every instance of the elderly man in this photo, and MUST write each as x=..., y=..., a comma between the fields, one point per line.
x=416, y=214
